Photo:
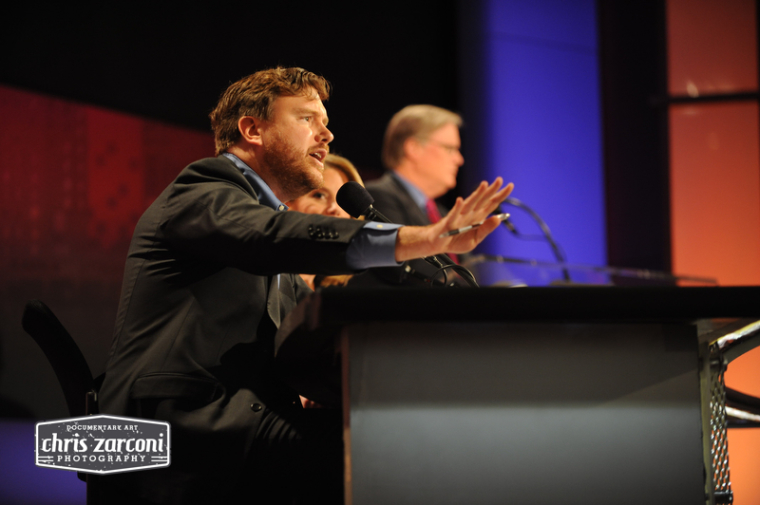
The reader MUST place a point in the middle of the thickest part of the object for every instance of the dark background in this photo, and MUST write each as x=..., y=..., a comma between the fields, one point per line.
x=171, y=63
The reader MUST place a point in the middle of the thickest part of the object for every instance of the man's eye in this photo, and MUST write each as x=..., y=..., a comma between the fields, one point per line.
x=307, y=118
x=318, y=195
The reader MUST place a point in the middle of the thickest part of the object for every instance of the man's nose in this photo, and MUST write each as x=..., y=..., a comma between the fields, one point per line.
x=325, y=135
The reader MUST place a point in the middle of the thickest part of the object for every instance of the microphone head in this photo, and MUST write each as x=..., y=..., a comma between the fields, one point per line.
x=354, y=199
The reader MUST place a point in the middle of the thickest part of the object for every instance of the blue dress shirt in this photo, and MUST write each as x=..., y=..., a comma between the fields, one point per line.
x=416, y=193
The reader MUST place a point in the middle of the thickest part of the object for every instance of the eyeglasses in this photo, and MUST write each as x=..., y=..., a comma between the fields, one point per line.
x=450, y=148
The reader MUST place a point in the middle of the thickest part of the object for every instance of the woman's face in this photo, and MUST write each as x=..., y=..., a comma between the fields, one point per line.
x=322, y=200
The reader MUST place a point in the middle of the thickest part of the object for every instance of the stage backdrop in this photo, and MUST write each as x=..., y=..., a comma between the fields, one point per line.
x=532, y=107
x=715, y=174
x=75, y=179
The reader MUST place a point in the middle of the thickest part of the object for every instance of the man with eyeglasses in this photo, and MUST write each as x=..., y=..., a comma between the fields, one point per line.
x=421, y=152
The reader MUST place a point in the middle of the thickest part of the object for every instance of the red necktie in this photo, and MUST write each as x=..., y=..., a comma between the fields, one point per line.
x=432, y=211
x=434, y=215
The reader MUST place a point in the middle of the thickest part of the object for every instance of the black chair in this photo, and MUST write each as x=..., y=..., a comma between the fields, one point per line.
x=71, y=369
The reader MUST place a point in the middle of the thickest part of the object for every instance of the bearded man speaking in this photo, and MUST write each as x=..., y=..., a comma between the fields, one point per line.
x=211, y=272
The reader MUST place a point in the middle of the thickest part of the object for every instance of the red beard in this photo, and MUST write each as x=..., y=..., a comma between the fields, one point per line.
x=295, y=173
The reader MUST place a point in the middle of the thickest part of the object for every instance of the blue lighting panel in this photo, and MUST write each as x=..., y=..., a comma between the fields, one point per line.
x=21, y=482
x=544, y=123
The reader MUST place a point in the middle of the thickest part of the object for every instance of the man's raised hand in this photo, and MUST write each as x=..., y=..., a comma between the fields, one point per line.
x=416, y=242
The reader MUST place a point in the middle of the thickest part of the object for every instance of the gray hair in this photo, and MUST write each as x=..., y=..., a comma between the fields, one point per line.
x=413, y=121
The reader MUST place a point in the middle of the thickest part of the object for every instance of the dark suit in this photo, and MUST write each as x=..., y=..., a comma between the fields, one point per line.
x=200, y=304
x=394, y=202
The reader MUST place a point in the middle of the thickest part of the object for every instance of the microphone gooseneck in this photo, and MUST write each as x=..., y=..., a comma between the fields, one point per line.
x=559, y=255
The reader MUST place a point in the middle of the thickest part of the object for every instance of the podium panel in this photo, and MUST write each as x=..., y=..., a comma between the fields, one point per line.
x=524, y=413
x=529, y=395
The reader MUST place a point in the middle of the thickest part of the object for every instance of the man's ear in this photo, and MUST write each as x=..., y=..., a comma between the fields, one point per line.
x=250, y=129
x=412, y=147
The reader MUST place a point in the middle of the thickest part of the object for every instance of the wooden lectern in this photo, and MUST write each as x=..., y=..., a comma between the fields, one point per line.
x=591, y=395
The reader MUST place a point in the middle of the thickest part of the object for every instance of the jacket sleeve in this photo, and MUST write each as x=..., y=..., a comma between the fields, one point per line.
x=216, y=217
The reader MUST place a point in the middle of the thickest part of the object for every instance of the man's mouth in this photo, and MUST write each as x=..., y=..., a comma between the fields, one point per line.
x=319, y=155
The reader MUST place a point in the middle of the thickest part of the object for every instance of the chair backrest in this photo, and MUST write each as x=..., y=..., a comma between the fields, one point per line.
x=64, y=355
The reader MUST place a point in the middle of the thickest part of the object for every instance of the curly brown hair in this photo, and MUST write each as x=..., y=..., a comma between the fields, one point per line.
x=255, y=94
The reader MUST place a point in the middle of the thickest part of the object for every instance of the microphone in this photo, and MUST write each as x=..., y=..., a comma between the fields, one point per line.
x=354, y=199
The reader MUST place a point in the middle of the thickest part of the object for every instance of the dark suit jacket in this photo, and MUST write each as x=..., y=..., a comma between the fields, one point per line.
x=395, y=203
x=209, y=276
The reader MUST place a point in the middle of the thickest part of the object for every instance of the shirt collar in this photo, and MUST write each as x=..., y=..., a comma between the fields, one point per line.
x=262, y=190
x=416, y=193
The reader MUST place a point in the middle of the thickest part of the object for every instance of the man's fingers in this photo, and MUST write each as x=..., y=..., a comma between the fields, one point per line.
x=474, y=197
x=467, y=241
x=475, y=209
x=502, y=195
x=491, y=200
x=457, y=208
x=483, y=195
x=486, y=228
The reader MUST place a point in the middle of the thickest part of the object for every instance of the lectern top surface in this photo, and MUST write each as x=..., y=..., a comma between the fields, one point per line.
x=337, y=306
